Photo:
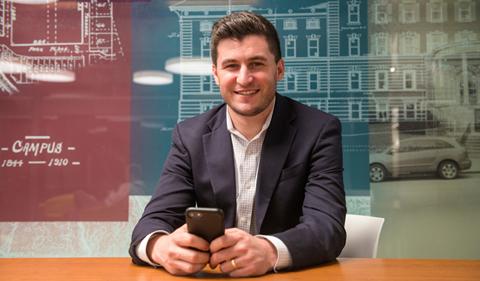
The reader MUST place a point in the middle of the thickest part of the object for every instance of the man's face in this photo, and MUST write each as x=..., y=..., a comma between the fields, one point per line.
x=247, y=74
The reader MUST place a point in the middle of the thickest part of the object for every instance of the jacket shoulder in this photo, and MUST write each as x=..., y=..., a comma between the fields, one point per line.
x=202, y=123
x=309, y=114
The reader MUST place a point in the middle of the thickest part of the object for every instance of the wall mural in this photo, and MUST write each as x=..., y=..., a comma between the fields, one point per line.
x=56, y=38
x=90, y=91
x=322, y=50
x=63, y=112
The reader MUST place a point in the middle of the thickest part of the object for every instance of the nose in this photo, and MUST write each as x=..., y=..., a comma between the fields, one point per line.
x=244, y=76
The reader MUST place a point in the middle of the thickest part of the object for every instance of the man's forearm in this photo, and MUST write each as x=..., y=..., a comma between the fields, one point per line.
x=144, y=249
x=283, y=257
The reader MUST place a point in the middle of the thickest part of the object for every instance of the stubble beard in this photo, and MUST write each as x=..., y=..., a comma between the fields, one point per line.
x=256, y=110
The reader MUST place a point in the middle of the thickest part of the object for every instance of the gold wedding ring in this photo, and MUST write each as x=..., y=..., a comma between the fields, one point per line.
x=234, y=265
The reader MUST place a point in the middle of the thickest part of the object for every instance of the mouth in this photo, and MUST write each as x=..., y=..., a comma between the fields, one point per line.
x=246, y=92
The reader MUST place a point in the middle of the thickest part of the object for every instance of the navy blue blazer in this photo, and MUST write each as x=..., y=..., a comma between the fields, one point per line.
x=299, y=199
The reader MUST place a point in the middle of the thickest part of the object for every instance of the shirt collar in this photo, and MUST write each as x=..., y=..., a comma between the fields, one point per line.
x=265, y=126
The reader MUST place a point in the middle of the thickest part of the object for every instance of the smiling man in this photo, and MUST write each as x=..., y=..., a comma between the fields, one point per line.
x=273, y=165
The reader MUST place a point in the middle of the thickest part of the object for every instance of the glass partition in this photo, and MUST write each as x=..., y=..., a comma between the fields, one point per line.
x=90, y=91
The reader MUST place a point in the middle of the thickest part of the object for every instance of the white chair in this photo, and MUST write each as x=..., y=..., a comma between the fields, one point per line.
x=363, y=234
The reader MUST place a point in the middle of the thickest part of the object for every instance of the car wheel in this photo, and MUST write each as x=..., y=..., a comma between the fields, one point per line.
x=378, y=173
x=448, y=169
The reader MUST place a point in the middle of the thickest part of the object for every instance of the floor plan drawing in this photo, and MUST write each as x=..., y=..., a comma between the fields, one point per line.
x=55, y=37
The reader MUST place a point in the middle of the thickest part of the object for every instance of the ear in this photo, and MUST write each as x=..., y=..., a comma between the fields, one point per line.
x=215, y=76
x=280, y=69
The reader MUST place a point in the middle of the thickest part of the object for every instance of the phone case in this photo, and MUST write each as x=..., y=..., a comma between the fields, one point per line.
x=205, y=222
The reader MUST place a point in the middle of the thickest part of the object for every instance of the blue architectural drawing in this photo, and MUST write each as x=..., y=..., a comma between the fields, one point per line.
x=326, y=63
x=321, y=52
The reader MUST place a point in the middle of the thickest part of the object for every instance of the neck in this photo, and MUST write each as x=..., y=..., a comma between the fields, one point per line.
x=249, y=126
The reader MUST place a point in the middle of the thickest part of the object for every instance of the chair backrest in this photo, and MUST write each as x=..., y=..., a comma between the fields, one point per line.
x=363, y=234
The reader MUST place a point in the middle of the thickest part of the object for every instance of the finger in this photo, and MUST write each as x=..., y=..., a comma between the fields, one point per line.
x=222, y=256
x=229, y=239
x=244, y=268
x=179, y=267
x=190, y=255
x=220, y=243
x=242, y=272
x=191, y=241
x=228, y=246
x=183, y=228
x=229, y=266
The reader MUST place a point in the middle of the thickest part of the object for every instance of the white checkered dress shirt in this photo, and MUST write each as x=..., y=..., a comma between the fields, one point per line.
x=246, y=154
x=247, y=157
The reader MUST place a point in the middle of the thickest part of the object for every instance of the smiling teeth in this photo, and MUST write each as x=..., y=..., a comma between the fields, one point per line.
x=246, y=93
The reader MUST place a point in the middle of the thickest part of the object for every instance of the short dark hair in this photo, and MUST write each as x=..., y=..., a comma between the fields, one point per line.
x=238, y=25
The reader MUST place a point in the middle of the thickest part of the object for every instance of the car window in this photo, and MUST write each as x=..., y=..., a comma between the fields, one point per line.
x=407, y=146
x=439, y=144
x=421, y=145
x=426, y=144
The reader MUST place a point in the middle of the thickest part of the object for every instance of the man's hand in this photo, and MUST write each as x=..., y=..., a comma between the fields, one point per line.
x=180, y=252
x=251, y=255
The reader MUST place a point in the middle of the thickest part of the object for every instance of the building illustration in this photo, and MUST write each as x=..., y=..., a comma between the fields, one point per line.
x=367, y=62
x=326, y=60
x=60, y=36
x=312, y=39
x=424, y=64
x=376, y=64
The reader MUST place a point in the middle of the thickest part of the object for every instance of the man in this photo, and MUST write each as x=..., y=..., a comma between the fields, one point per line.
x=272, y=164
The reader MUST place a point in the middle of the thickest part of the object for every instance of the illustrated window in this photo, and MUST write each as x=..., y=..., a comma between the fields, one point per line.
x=354, y=80
x=409, y=80
x=354, y=44
x=354, y=12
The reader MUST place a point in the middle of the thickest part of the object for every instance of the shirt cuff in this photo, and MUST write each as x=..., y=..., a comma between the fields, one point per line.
x=141, y=249
x=284, y=259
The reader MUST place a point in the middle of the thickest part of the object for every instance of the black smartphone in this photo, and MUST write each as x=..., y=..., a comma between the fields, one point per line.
x=205, y=222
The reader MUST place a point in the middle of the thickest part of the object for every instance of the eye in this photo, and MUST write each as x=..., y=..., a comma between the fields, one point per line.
x=230, y=66
x=256, y=64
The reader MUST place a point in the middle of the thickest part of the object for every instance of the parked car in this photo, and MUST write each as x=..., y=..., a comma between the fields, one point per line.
x=441, y=155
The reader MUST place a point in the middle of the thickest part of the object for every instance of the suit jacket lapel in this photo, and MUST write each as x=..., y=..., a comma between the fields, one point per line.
x=276, y=146
x=218, y=150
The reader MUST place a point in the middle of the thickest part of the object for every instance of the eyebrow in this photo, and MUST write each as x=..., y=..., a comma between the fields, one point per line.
x=228, y=61
x=254, y=58
x=261, y=58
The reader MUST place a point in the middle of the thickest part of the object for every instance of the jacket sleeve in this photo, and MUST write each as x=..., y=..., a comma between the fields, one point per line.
x=319, y=236
x=174, y=194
